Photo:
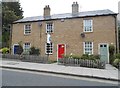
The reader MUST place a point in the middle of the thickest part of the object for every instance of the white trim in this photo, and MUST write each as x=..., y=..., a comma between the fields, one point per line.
x=107, y=49
x=84, y=25
x=30, y=28
x=84, y=47
x=13, y=48
x=52, y=49
x=57, y=49
x=52, y=27
x=24, y=45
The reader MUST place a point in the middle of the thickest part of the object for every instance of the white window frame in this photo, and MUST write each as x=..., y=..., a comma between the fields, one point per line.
x=46, y=49
x=50, y=29
x=27, y=29
x=85, y=21
x=24, y=46
x=89, y=47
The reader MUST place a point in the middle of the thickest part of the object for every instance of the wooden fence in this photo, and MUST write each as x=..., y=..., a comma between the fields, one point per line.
x=26, y=58
x=82, y=63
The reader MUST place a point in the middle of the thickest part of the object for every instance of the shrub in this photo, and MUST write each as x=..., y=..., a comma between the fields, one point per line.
x=76, y=57
x=116, y=62
x=117, y=55
x=5, y=50
x=20, y=50
x=111, y=52
x=34, y=51
x=85, y=56
x=111, y=49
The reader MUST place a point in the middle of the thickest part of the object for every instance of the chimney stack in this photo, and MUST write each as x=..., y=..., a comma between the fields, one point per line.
x=46, y=11
x=75, y=8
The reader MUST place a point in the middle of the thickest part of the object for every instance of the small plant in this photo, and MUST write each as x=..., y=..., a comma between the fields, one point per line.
x=117, y=55
x=5, y=50
x=76, y=57
x=85, y=56
x=116, y=62
x=34, y=51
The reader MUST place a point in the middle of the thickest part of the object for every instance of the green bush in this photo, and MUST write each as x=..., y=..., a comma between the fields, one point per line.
x=117, y=55
x=90, y=57
x=85, y=56
x=76, y=57
x=111, y=52
x=116, y=62
x=5, y=50
x=34, y=51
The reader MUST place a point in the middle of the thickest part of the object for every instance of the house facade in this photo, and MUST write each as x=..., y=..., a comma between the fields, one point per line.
x=76, y=33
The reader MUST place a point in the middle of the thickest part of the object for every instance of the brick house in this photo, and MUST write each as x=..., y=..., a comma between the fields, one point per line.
x=89, y=32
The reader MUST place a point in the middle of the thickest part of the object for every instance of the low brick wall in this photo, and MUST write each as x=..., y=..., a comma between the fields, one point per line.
x=82, y=63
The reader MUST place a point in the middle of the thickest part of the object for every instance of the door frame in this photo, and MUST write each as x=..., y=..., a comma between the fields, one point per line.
x=107, y=49
x=57, y=49
x=13, y=47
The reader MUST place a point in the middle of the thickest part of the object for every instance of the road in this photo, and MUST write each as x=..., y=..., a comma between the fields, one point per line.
x=12, y=77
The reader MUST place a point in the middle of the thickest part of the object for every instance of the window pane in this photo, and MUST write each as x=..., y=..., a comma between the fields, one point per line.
x=87, y=25
x=88, y=47
x=27, y=29
x=49, y=48
x=49, y=27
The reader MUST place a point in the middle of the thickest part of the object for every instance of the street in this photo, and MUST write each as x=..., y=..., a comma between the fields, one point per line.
x=12, y=77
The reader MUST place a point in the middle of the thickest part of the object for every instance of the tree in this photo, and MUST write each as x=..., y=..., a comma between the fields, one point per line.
x=11, y=11
x=119, y=34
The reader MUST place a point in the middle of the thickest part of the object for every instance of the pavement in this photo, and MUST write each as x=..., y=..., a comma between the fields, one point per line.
x=109, y=73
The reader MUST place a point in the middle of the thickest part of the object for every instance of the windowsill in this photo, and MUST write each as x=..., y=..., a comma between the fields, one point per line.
x=49, y=33
x=49, y=54
x=27, y=34
x=88, y=32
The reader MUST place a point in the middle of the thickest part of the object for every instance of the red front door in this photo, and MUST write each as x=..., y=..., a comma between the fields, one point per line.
x=61, y=50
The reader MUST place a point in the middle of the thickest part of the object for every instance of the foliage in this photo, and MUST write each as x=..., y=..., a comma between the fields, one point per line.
x=84, y=56
x=5, y=50
x=111, y=52
x=116, y=62
x=90, y=57
x=34, y=51
x=119, y=36
x=76, y=57
x=117, y=55
x=19, y=50
x=11, y=11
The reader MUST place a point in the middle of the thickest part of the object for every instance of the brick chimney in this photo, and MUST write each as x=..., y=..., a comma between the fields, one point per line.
x=75, y=8
x=46, y=11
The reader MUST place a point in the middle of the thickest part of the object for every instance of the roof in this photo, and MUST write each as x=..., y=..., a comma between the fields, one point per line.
x=67, y=15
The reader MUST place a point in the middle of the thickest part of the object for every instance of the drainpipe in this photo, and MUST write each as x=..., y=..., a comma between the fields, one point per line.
x=116, y=34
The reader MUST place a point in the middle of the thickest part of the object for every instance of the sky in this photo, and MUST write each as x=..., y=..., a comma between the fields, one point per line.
x=35, y=7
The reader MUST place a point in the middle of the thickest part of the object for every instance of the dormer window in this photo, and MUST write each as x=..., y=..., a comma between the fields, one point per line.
x=49, y=27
